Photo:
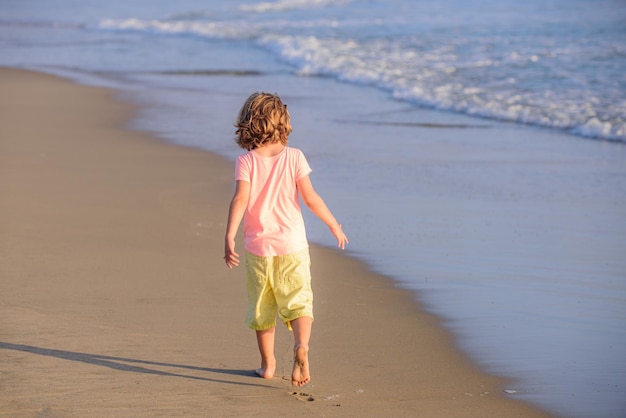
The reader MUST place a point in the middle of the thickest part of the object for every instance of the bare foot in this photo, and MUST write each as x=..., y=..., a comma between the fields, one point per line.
x=300, y=375
x=267, y=370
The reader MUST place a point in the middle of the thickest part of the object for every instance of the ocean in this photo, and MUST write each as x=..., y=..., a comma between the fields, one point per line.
x=475, y=151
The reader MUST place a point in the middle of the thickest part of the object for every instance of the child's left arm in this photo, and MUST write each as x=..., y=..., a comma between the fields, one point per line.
x=317, y=205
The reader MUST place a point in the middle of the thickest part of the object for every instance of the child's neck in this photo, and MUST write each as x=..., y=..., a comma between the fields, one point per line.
x=270, y=150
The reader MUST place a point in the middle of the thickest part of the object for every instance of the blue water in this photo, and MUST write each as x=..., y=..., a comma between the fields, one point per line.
x=474, y=151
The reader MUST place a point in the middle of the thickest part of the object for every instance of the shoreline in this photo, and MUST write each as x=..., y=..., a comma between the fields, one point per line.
x=109, y=254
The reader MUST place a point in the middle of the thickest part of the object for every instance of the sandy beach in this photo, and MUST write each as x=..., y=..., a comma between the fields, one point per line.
x=114, y=300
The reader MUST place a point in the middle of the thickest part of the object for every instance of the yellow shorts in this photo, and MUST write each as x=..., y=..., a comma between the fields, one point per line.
x=278, y=284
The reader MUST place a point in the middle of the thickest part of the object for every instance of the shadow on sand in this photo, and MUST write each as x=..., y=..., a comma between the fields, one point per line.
x=121, y=364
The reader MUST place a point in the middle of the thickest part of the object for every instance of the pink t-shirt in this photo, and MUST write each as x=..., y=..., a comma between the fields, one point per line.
x=273, y=223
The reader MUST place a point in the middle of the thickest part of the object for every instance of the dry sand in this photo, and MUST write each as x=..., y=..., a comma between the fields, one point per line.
x=114, y=300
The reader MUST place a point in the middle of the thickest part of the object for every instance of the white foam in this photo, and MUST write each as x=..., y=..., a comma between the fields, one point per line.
x=491, y=77
x=283, y=5
x=507, y=85
x=203, y=28
x=432, y=80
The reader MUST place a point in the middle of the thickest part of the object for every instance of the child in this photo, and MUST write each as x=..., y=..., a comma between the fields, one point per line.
x=269, y=179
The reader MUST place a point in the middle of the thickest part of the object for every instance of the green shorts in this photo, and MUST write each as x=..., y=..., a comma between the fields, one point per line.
x=278, y=284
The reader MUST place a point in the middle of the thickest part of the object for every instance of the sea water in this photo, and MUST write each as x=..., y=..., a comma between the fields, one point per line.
x=474, y=150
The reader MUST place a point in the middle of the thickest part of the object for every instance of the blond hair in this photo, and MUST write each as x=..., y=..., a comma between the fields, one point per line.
x=263, y=119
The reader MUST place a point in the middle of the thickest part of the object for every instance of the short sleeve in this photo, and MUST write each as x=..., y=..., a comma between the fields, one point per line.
x=242, y=169
x=302, y=167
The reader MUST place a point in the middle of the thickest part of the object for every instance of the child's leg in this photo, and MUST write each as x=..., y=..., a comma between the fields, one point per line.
x=302, y=334
x=265, y=340
x=261, y=310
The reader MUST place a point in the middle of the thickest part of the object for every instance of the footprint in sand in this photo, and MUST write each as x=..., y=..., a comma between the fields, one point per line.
x=303, y=396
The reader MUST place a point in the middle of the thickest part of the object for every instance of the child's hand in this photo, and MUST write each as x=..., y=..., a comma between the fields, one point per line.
x=342, y=240
x=231, y=258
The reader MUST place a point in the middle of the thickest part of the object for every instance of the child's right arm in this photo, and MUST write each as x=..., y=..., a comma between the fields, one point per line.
x=317, y=205
x=235, y=214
